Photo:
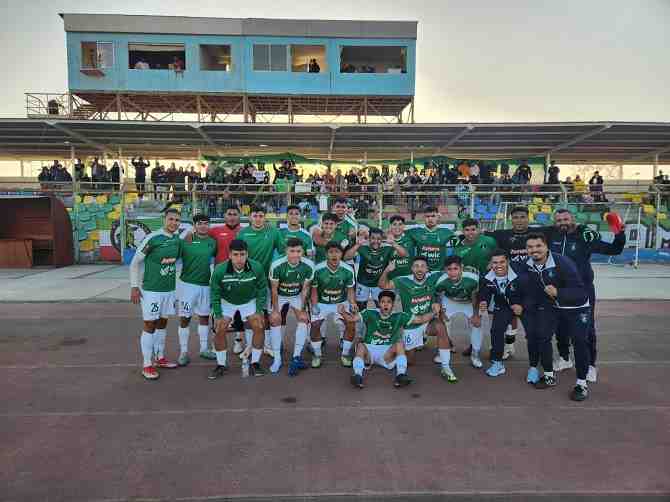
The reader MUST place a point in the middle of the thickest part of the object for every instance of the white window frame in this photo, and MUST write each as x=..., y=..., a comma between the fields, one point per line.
x=97, y=43
x=287, y=57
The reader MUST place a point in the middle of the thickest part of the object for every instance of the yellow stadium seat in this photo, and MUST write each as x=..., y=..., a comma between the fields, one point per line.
x=532, y=208
x=647, y=209
x=114, y=215
x=662, y=216
x=636, y=199
x=86, y=245
x=94, y=235
x=89, y=199
x=101, y=199
x=131, y=197
x=77, y=199
x=546, y=208
x=537, y=200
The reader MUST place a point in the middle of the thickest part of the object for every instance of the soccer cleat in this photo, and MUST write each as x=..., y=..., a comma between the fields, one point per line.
x=546, y=382
x=496, y=369
x=592, y=375
x=150, y=373
x=217, y=372
x=402, y=380
x=564, y=364
x=448, y=375
x=316, y=362
x=237, y=346
x=508, y=351
x=533, y=375
x=276, y=365
x=346, y=361
x=295, y=366
x=437, y=359
x=475, y=360
x=208, y=354
x=164, y=363
x=258, y=370
x=579, y=393
x=268, y=351
x=183, y=360
x=467, y=351
x=357, y=381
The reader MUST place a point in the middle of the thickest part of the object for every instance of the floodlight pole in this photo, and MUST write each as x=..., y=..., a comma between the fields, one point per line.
x=75, y=206
x=655, y=165
x=122, y=213
x=547, y=163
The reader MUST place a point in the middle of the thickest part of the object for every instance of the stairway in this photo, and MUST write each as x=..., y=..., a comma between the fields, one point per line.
x=84, y=112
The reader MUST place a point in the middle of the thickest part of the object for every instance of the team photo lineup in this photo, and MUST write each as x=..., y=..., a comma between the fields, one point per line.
x=386, y=292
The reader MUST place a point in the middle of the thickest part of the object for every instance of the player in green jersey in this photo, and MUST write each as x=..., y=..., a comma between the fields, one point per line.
x=294, y=229
x=324, y=235
x=197, y=256
x=418, y=295
x=432, y=240
x=158, y=252
x=459, y=289
x=238, y=285
x=290, y=281
x=403, y=264
x=332, y=294
x=383, y=342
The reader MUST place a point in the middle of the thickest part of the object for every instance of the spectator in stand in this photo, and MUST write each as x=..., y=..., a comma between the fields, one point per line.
x=177, y=64
x=115, y=175
x=314, y=66
x=339, y=181
x=474, y=173
x=464, y=170
x=140, y=174
x=579, y=185
x=485, y=173
x=329, y=180
x=523, y=173
x=155, y=173
x=569, y=185
x=413, y=184
x=596, y=187
x=553, y=173
x=44, y=178
x=79, y=170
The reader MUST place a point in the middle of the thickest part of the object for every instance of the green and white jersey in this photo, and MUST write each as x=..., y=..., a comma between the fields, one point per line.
x=381, y=330
x=432, y=244
x=332, y=285
x=476, y=255
x=371, y=264
x=161, y=251
x=403, y=266
x=196, y=257
x=263, y=243
x=302, y=235
x=345, y=232
x=320, y=251
x=291, y=278
x=238, y=287
x=417, y=297
x=460, y=290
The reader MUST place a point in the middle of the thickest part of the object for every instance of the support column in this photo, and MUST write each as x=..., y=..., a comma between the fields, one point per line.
x=290, y=110
x=365, y=110
x=655, y=165
x=245, y=108
x=621, y=172
x=22, y=170
x=118, y=106
x=546, y=166
x=411, y=110
x=199, y=106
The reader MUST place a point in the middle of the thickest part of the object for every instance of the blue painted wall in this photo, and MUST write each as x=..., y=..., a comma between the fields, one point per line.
x=242, y=77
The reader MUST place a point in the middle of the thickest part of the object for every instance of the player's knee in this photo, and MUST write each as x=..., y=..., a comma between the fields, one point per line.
x=149, y=326
x=161, y=323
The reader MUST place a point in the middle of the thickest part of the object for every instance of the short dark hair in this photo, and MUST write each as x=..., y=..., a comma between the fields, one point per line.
x=499, y=252
x=238, y=245
x=419, y=258
x=537, y=235
x=256, y=208
x=172, y=210
x=396, y=217
x=292, y=206
x=387, y=293
x=330, y=217
x=563, y=211
x=340, y=200
x=519, y=209
x=293, y=242
x=430, y=209
x=333, y=244
x=470, y=222
x=454, y=259
x=375, y=230
x=200, y=217
x=233, y=208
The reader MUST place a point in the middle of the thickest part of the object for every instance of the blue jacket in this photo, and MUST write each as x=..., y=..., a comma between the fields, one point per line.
x=497, y=299
x=558, y=271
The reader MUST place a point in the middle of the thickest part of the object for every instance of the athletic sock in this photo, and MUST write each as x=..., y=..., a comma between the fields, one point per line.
x=476, y=339
x=267, y=342
x=445, y=357
x=203, y=335
x=248, y=336
x=256, y=355
x=346, y=347
x=275, y=341
x=401, y=364
x=358, y=365
x=221, y=356
x=300, y=337
x=147, y=347
x=582, y=383
x=183, y=339
x=549, y=374
x=316, y=346
x=159, y=342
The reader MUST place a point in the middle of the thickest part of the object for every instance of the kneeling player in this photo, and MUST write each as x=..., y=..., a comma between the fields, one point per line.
x=238, y=285
x=290, y=279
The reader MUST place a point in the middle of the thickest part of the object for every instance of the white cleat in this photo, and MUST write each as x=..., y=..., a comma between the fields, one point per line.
x=508, y=351
x=592, y=375
x=562, y=364
x=437, y=359
x=237, y=346
x=475, y=360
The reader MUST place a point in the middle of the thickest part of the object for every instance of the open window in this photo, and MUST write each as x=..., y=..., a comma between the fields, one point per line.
x=215, y=58
x=156, y=57
x=308, y=58
x=373, y=59
x=96, y=57
x=269, y=57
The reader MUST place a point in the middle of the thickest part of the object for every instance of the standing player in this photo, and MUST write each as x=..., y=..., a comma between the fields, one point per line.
x=403, y=264
x=332, y=294
x=417, y=295
x=290, y=280
x=460, y=289
x=158, y=252
x=383, y=340
x=197, y=255
x=238, y=285
x=295, y=230
x=431, y=239
x=325, y=234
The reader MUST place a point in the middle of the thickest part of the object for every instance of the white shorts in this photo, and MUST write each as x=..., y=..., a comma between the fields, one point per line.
x=193, y=299
x=329, y=309
x=292, y=301
x=268, y=304
x=413, y=337
x=363, y=293
x=246, y=309
x=451, y=307
x=156, y=305
x=376, y=355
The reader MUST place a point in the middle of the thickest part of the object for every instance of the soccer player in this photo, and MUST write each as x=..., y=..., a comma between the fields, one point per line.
x=332, y=294
x=158, y=252
x=238, y=285
x=578, y=242
x=290, y=280
x=294, y=229
x=197, y=255
x=460, y=290
x=417, y=294
x=372, y=260
x=555, y=298
x=325, y=234
x=403, y=264
x=431, y=240
x=500, y=294
x=474, y=248
x=383, y=340
x=346, y=223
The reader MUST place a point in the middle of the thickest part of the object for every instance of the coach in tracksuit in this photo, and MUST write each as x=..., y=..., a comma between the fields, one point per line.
x=555, y=298
x=578, y=242
x=500, y=294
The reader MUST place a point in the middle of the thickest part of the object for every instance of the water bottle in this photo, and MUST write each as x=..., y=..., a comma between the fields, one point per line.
x=245, y=367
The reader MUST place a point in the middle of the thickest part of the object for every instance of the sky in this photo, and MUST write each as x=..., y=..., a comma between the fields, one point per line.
x=477, y=60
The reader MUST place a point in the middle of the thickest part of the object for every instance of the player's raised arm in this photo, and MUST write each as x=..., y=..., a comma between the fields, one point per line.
x=384, y=281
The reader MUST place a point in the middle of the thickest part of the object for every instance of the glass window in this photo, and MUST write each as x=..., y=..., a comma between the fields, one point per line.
x=308, y=58
x=215, y=58
x=98, y=55
x=373, y=59
x=156, y=56
x=269, y=57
